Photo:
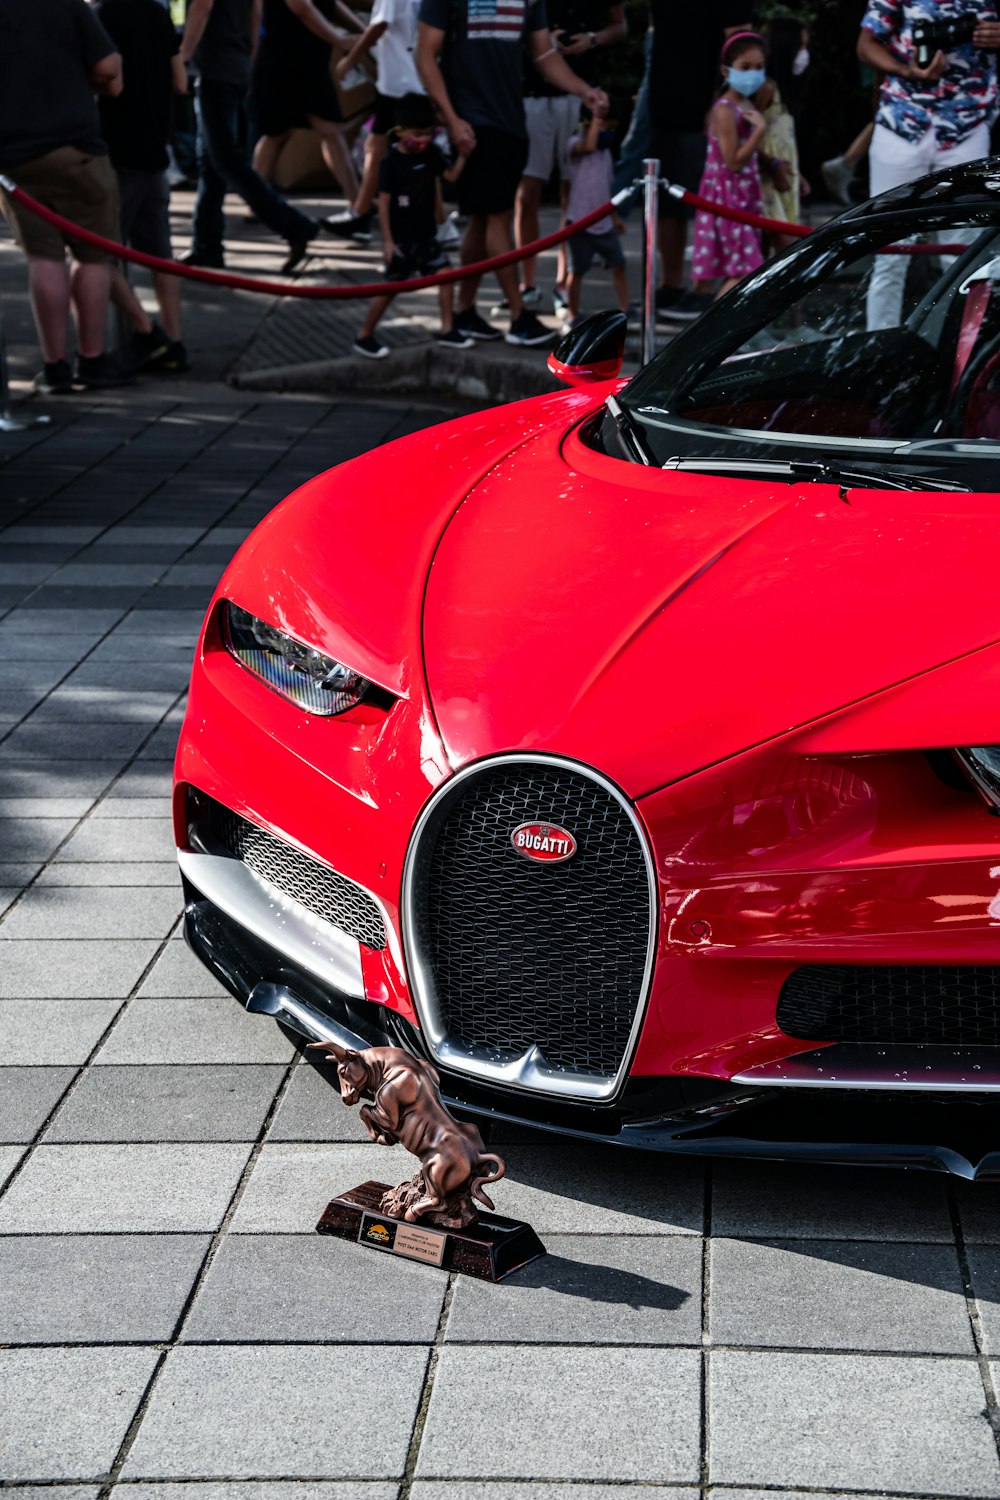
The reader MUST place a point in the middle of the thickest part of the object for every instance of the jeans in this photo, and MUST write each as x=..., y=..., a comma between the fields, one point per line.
x=892, y=161
x=223, y=163
x=635, y=146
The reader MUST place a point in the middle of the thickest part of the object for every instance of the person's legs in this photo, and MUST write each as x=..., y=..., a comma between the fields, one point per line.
x=337, y=157
x=125, y=299
x=499, y=240
x=168, y=297
x=266, y=153
x=672, y=241
x=892, y=162
x=48, y=287
x=89, y=291
x=473, y=250
x=208, y=221
x=540, y=122
x=376, y=308
x=221, y=111
x=529, y=197
x=375, y=148
x=574, y=290
x=445, y=302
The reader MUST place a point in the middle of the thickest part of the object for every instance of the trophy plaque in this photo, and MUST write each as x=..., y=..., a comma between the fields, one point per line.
x=433, y=1217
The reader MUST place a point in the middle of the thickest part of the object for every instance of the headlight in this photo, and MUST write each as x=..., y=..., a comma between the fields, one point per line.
x=311, y=680
x=981, y=763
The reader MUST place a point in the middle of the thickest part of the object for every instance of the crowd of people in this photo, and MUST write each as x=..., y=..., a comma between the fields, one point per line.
x=487, y=100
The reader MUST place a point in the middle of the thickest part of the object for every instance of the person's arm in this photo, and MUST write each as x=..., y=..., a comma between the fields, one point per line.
x=987, y=36
x=586, y=144
x=452, y=174
x=256, y=22
x=361, y=48
x=198, y=12
x=347, y=17
x=314, y=19
x=430, y=40
x=178, y=75
x=556, y=70
x=882, y=21
x=106, y=76
x=735, y=153
x=616, y=30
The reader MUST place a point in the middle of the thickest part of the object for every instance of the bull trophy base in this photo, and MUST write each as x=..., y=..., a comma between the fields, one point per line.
x=490, y=1248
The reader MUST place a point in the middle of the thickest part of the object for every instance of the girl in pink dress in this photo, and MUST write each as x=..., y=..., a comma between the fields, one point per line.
x=722, y=249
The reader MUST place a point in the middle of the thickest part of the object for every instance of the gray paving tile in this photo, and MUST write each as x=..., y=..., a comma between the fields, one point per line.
x=31, y=676
x=46, y=647
x=839, y=1294
x=312, y=1110
x=87, y=706
x=163, y=1103
x=27, y=1098
x=16, y=706
x=589, y=1289
x=291, y=1489
x=556, y=1413
x=179, y=974
x=782, y=1201
x=37, y=777
x=75, y=624
x=107, y=575
x=290, y=1185
x=27, y=531
x=36, y=1033
x=132, y=677
x=153, y=873
x=144, y=781
x=215, y=1030
x=9, y=1158
x=307, y=1287
x=862, y=1422
x=64, y=1492
x=32, y=839
x=456, y=1489
x=131, y=807
x=284, y=1411
x=162, y=744
x=93, y=1289
x=88, y=968
x=17, y=875
x=66, y=742
x=121, y=839
x=64, y=1412
x=984, y=1265
x=8, y=895
x=566, y=1188
x=122, y=1189
x=979, y=1211
x=45, y=807
x=94, y=912
x=136, y=648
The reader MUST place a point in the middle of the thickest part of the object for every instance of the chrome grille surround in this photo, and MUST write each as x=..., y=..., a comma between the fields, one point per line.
x=321, y=890
x=528, y=1069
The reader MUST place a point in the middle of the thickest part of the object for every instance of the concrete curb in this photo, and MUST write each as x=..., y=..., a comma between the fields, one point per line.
x=497, y=375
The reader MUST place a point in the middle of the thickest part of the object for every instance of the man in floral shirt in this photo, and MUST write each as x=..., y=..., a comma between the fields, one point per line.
x=930, y=116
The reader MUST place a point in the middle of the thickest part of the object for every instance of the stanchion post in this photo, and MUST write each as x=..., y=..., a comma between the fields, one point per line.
x=651, y=192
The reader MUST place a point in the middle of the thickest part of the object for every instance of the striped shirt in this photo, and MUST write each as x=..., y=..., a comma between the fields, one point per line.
x=481, y=58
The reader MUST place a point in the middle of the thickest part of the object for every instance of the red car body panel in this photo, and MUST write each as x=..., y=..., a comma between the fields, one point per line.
x=752, y=663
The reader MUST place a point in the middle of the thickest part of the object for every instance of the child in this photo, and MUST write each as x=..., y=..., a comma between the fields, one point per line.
x=723, y=249
x=409, y=205
x=591, y=168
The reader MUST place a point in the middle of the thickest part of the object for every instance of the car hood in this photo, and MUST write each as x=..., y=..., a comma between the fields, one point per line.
x=654, y=623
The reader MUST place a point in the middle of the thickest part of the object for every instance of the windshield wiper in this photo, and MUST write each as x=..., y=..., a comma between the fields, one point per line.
x=632, y=439
x=815, y=471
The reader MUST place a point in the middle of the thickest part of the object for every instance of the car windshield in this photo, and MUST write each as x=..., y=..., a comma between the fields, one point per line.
x=874, y=344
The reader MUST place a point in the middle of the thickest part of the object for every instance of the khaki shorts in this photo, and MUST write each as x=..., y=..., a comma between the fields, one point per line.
x=75, y=184
x=551, y=124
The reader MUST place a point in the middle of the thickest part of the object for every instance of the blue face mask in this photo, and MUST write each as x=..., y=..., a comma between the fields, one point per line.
x=746, y=81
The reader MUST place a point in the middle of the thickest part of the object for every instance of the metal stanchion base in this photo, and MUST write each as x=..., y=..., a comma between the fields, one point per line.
x=10, y=423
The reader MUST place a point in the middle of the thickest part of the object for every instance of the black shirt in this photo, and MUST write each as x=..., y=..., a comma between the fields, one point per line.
x=136, y=125
x=687, y=43
x=571, y=17
x=411, y=182
x=47, y=49
x=482, y=56
x=224, y=52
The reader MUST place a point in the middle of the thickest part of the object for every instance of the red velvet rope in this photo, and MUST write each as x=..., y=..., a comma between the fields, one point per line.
x=294, y=288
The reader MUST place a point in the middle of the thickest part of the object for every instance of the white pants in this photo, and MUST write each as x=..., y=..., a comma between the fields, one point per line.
x=893, y=162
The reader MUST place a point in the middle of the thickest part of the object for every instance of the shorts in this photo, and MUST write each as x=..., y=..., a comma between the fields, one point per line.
x=682, y=160
x=489, y=183
x=75, y=184
x=384, y=114
x=422, y=259
x=551, y=125
x=585, y=247
x=145, y=211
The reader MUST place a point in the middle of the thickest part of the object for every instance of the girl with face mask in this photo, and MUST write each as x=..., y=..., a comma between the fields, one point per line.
x=724, y=251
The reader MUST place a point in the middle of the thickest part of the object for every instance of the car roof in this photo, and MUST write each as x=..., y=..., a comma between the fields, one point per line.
x=973, y=185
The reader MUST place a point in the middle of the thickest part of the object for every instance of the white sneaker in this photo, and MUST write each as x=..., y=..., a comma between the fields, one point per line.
x=449, y=233
x=838, y=177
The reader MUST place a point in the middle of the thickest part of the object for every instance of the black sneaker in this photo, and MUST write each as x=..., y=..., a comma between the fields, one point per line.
x=527, y=329
x=298, y=249
x=674, y=306
x=357, y=227
x=470, y=323
x=100, y=373
x=454, y=339
x=500, y=311
x=209, y=260
x=173, y=360
x=370, y=347
x=147, y=348
x=55, y=380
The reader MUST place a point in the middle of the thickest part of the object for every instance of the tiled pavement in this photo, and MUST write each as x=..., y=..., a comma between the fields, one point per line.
x=170, y=1326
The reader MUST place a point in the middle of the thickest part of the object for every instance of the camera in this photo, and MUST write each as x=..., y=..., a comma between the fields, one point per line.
x=942, y=36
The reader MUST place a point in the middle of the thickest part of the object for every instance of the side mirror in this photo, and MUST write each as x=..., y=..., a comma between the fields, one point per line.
x=592, y=351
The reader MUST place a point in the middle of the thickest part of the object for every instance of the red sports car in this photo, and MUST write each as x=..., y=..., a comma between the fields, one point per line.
x=632, y=752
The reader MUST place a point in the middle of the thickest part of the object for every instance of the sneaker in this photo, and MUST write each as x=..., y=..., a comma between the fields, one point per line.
x=470, y=323
x=370, y=347
x=500, y=311
x=357, y=227
x=838, y=177
x=210, y=260
x=173, y=360
x=531, y=296
x=298, y=249
x=148, y=347
x=55, y=380
x=560, y=299
x=527, y=329
x=453, y=339
x=449, y=233
x=679, y=306
x=100, y=373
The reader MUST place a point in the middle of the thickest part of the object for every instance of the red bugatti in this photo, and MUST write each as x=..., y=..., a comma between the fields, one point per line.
x=632, y=752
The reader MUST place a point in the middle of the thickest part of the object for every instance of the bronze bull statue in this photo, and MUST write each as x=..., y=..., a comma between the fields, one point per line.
x=406, y=1109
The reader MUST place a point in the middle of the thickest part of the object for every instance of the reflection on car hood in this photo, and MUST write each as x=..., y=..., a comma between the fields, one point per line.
x=652, y=624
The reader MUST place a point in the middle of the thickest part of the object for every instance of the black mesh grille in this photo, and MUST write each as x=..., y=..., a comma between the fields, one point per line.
x=524, y=954
x=323, y=891
x=842, y=1003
